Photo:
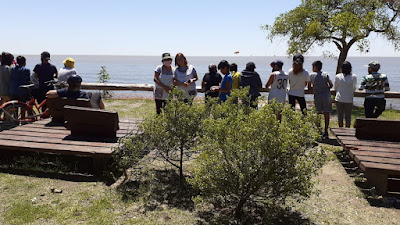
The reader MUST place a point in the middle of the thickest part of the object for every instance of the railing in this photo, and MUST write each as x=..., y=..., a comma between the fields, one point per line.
x=149, y=87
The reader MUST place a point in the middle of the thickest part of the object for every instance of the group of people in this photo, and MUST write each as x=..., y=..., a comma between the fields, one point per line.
x=14, y=74
x=280, y=83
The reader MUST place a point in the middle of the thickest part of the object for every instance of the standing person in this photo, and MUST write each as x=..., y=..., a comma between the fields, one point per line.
x=226, y=84
x=251, y=78
x=185, y=77
x=345, y=85
x=44, y=72
x=5, y=76
x=278, y=81
x=20, y=76
x=163, y=78
x=67, y=70
x=298, y=79
x=235, y=76
x=321, y=85
x=375, y=84
x=212, y=78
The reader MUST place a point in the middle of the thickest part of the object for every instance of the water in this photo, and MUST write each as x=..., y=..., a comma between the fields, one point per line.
x=140, y=69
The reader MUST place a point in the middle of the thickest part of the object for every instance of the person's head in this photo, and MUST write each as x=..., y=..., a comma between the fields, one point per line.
x=166, y=59
x=233, y=67
x=212, y=68
x=277, y=65
x=6, y=59
x=346, y=68
x=250, y=66
x=180, y=60
x=373, y=66
x=224, y=66
x=69, y=62
x=45, y=57
x=298, y=57
x=21, y=61
x=317, y=66
x=297, y=66
x=74, y=82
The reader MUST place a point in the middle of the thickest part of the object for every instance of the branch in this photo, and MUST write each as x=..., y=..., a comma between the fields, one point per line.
x=169, y=161
x=338, y=45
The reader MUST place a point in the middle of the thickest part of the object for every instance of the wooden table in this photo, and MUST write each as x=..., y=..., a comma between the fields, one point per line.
x=380, y=160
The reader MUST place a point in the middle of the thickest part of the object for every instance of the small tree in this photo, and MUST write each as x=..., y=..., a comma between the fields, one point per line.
x=104, y=77
x=172, y=134
x=343, y=22
x=248, y=154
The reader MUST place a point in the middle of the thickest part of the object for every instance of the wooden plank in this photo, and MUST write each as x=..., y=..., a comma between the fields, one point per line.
x=352, y=153
x=343, y=131
x=383, y=168
x=54, y=141
x=377, y=129
x=54, y=148
x=359, y=158
x=374, y=149
x=42, y=130
x=363, y=143
x=61, y=127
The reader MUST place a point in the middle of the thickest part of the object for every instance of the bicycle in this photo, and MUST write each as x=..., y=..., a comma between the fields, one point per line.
x=14, y=112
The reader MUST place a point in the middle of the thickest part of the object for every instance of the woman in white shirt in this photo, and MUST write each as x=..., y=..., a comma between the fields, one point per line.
x=298, y=80
x=185, y=77
x=163, y=77
x=345, y=85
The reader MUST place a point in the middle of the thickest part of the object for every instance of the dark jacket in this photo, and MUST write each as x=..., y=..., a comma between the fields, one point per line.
x=252, y=79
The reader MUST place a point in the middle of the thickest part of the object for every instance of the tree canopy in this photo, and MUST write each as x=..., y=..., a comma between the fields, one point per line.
x=343, y=22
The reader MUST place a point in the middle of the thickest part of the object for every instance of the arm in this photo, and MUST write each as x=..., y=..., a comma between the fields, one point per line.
x=156, y=76
x=337, y=83
x=52, y=94
x=330, y=84
x=56, y=75
x=362, y=84
x=270, y=80
x=101, y=104
x=227, y=88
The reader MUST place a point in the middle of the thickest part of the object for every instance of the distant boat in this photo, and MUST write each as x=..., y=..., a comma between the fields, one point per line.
x=236, y=52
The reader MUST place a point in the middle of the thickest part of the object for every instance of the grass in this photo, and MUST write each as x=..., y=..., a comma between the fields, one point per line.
x=153, y=195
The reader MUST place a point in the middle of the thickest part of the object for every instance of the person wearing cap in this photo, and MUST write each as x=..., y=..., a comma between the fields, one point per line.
x=250, y=78
x=345, y=85
x=278, y=81
x=163, y=78
x=212, y=78
x=298, y=80
x=73, y=91
x=67, y=70
x=44, y=71
x=321, y=85
x=226, y=85
x=185, y=77
x=375, y=84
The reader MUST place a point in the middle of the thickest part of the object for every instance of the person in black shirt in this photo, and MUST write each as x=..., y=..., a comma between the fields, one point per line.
x=212, y=78
x=44, y=72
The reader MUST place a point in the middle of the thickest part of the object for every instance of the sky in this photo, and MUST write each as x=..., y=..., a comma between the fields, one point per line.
x=151, y=27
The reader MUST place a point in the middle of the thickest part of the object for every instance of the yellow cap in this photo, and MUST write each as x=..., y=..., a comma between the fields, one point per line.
x=69, y=62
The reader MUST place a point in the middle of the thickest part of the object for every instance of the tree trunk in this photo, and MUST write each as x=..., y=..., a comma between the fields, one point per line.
x=181, y=165
x=342, y=57
x=238, y=210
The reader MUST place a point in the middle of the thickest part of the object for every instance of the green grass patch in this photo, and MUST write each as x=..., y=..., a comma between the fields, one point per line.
x=131, y=108
x=22, y=212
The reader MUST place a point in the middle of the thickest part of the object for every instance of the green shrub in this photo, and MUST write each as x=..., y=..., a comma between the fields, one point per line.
x=104, y=77
x=248, y=154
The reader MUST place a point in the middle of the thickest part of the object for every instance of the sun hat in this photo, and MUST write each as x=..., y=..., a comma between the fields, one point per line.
x=166, y=56
x=69, y=62
x=45, y=55
x=374, y=65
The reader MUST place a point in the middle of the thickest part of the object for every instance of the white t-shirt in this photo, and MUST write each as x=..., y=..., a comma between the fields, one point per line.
x=166, y=77
x=65, y=72
x=184, y=74
x=278, y=87
x=298, y=82
x=345, y=87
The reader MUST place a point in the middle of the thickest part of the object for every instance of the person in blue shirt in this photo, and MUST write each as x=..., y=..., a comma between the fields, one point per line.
x=19, y=76
x=226, y=84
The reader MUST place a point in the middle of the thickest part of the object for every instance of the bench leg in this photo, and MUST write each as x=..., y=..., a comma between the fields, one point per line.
x=379, y=180
x=99, y=164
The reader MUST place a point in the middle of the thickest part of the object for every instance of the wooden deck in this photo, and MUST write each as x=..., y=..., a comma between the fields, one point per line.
x=45, y=136
x=380, y=160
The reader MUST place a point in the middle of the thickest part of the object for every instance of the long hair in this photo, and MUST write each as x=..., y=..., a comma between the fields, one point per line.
x=6, y=59
x=181, y=55
x=346, y=68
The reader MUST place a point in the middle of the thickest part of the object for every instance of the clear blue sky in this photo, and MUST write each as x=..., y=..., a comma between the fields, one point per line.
x=149, y=27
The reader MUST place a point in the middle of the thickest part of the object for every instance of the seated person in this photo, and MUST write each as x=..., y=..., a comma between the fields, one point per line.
x=73, y=92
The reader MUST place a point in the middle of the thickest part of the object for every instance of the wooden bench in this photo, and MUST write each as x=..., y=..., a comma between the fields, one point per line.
x=56, y=106
x=380, y=160
x=91, y=122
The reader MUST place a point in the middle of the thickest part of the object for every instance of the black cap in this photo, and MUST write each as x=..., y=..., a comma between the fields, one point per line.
x=298, y=57
x=250, y=65
x=45, y=55
x=73, y=80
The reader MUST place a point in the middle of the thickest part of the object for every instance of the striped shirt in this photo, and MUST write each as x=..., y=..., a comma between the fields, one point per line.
x=375, y=85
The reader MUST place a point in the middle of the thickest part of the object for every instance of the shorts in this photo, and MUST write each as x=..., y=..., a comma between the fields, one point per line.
x=323, y=103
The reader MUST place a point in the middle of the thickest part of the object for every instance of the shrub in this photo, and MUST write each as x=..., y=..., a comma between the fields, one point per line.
x=248, y=154
x=104, y=77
